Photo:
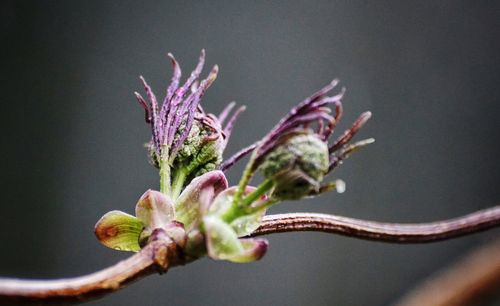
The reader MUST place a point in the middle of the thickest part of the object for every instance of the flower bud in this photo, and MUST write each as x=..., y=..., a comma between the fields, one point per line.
x=201, y=152
x=186, y=141
x=296, y=165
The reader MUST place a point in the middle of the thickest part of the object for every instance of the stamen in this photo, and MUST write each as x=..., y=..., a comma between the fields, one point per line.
x=174, y=83
x=349, y=133
x=230, y=124
x=228, y=163
x=142, y=102
x=225, y=112
x=336, y=160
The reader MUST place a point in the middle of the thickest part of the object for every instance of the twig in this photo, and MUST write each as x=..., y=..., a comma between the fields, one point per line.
x=389, y=232
x=161, y=254
x=464, y=283
x=157, y=256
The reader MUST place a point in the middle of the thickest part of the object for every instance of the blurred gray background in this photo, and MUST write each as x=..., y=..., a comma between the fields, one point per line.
x=73, y=134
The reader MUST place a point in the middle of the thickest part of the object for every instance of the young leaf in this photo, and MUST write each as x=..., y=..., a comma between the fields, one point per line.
x=197, y=196
x=119, y=231
x=223, y=243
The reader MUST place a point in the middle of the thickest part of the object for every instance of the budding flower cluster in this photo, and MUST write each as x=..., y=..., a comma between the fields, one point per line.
x=297, y=165
x=186, y=142
x=195, y=206
x=295, y=156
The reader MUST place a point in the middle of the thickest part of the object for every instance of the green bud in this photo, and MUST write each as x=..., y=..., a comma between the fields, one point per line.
x=297, y=165
x=200, y=152
x=153, y=157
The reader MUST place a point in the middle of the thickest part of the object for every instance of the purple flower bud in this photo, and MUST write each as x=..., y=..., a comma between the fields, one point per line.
x=295, y=154
x=184, y=137
x=171, y=124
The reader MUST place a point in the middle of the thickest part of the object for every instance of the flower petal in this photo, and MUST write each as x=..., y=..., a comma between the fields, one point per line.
x=197, y=197
x=119, y=231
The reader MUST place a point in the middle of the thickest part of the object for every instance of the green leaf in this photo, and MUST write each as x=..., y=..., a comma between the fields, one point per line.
x=246, y=225
x=154, y=209
x=119, y=231
x=253, y=249
x=243, y=224
x=194, y=201
x=223, y=243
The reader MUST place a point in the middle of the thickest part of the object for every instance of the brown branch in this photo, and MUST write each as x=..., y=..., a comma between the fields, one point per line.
x=389, y=232
x=465, y=283
x=157, y=256
x=161, y=254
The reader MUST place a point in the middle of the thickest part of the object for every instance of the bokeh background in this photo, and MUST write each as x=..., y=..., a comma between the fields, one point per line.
x=73, y=134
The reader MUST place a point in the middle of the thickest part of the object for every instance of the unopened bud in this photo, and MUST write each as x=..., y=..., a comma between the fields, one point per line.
x=202, y=150
x=297, y=165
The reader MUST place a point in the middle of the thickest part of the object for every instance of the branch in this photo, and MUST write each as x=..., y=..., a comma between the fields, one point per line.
x=161, y=254
x=157, y=256
x=466, y=282
x=389, y=232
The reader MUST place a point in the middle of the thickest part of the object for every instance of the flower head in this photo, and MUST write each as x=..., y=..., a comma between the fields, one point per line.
x=171, y=124
x=295, y=156
x=186, y=141
x=297, y=165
